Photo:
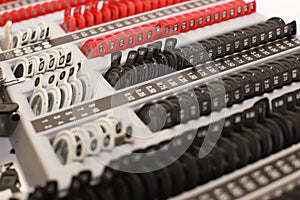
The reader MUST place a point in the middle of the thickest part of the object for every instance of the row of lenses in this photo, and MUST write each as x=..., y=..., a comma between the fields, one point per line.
x=165, y=28
x=38, y=33
x=151, y=62
x=36, y=10
x=90, y=139
x=216, y=95
x=45, y=62
x=94, y=13
x=245, y=138
x=60, y=89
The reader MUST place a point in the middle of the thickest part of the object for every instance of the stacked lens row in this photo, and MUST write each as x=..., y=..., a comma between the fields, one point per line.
x=245, y=138
x=94, y=13
x=216, y=95
x=38, y=33
x=60, y=89
x=166, y=27
x=90, y=139
x=36, y=10
x=45, y=62
x=151, y=62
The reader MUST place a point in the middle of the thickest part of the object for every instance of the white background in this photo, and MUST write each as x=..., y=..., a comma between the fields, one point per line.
x=288, y=10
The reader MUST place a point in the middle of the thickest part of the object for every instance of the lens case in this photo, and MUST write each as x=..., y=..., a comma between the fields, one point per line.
x=44, y=63
x=247, y=84
x=17, y=39
x=108, y=130
x=69, y=23
x=185, y=55
x=39, y=99
x=252, y=139
x=35, y=34
x=69, y=57
x=119, y=133
x=179, y=108
x=241, y=147
x=253, y=143
x=21, y=68
x=217, y=94
x=106, y=13
x=295, y=68
x=142, y=70
x=43, y=31
x=80, y=20
x=96, y=138
x=62, y=57
x=54, y=59
x=197, y=50
x=230, y=158
x=129, y=74
x=34, y=63
x=277, y=77
x=250, y=117
x=228, y=42
x=191, y=102
x=152, y=115
x=76, y=84
x=285, y=74
x=267, y=78
x=85, y=138
x=65, y=88
x=54, y=94
x=26, y=36
x=98, y=16
x=88, y=15
x=68, y=147
x=114, y=73
x=257, y=81
x=204, y=100
x=276, y=131
x=229, y=85
x=169, y=109
x=219, y=47
x=169, y=52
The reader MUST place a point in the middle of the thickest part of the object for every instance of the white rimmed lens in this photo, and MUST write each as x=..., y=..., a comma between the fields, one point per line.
x=48, y=31
x=26, y=36
x=68, y=147
x=21, y=68
x=85, y=81
x=107, y=128
x=65, y=89
x=76, y=84
x=39, y=99
x=53, y=62
x=63, y=57
x=17, y=39
x=35, y=34
x=54, y=94
x=44, y=63
x=34, y=63
x=43, y=30
x=96, y=138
